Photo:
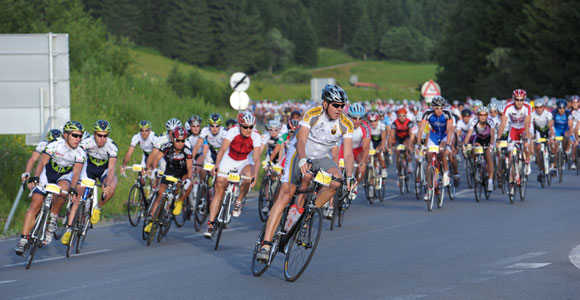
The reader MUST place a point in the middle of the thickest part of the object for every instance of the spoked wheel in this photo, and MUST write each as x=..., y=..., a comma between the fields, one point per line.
x=33, y=245
x=523, y=182
x=381, y=193
x=369, y=186
x=180, y=219
x=218, y=227
x=302, y=245
x=74, y=230
x=477, y=184
x=264, y=199
x=560, y=166
x=134, y=205
x=341, y=211
x=440, y=193
x=542, y=173
x=469, y=171
x=164, y=223
x=485, y=183
x=512, y=183
x=85, y=224
x=418, y=182
x=155, y=221
x=432, y=176
x=200, y=207
x=451, y=189
x=336, y=204
x=258, y=267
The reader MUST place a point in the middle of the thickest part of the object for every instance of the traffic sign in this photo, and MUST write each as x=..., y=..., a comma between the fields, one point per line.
x=430, y=88
x=240, y=82
x=239, y=100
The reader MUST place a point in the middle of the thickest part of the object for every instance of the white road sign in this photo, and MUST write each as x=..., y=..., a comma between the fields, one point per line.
x=240, y=82
x=429, y=90
x=239, y=100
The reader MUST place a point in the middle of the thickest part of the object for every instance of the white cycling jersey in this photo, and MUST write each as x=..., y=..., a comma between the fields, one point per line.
x=378, y=131
x=145, y=144
x=360, y=133
x=63, y=157
x=192, y=139
x=464, y=127
x=41, y=146
x=214, y=141
x=540, y=121
x=517, y=116
x=99, y=155
x=324, y=133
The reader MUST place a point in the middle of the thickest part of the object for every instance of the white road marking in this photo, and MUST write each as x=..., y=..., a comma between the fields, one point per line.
x=391, y=197
x=462, y=192
x=7, y=281
x=527, y=265
x=574, y=256
x=58, y=257
x=516, y=259
x=405, y=297
x=225, y=230
x=502, y=272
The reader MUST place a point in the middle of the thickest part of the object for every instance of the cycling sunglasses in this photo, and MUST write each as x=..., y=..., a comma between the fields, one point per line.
x=76, y=136
x=180, y=140
x=102, y=135
x=337, y=105
x=248, y=127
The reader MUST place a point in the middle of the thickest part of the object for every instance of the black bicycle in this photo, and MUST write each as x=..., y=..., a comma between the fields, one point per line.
x=268, y=190
x=82, y=219
x=300, y=242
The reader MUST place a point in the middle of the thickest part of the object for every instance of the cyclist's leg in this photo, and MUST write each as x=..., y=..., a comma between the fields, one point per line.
x=33, y=209
x=327, y=192
x=160, y=192
x=220, y=185
x=109, y=187
x=247, y=171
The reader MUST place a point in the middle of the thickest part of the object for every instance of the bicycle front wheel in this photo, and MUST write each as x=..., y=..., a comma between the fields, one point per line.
x=369, y=185
x=523, y=182
x=477, y=184
x=134, y=205
x=560, y=165
x=263, y=199
x=199, y=207
x=33, y=245
x=418, y=182
x=302, y=245
x=258, y=268
x=431, y=176
x=469, y=171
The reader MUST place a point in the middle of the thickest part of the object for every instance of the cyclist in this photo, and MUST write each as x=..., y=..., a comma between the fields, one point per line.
x=193, y=128
x=178, y=163
x=162, y=140
x=562, y=123
x=213, y=135
x=272, y=141
x=234, y=154
x=52, y=135
x=379, y=139
x=482, y=128
x=463, y=125
x=321, y=128
x=543, y=124
x=519, y=114
x=61, y=163
x=403, y=135
x=575, y=114
x=441, y=122
x=230, y=123
x=361, y=139
x=145, y=139
x=100, y=164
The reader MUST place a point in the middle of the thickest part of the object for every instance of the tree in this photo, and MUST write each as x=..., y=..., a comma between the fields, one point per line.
x=363, y=42
x=279, y=49
x=404, y=43
x=187, y=32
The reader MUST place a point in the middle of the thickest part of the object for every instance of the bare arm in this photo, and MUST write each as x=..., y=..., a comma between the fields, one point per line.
x=77, y=169
x=348, y=156
x=33, y=158
x=127, y=156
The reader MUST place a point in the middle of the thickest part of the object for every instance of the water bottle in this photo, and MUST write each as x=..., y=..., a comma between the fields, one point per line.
x=293, y=216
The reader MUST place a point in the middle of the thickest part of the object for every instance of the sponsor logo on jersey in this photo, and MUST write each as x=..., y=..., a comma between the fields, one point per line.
x=315, y=111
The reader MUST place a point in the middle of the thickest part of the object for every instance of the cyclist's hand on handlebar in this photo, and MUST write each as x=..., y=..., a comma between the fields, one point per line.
x=72, y=191
x=32, y=182
x=123, y=173
x=214, y=172
x=252, y=183
x=25, y=177
x=304, y=165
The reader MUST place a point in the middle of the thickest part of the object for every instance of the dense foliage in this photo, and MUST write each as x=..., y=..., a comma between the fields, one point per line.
x=490, y=47
x=257, y=35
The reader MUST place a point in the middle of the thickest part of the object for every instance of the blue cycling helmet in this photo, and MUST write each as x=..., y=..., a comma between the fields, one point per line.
x=561, y=104
x=356, y=110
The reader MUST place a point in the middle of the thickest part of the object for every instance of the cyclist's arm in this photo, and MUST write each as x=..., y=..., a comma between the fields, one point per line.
x=551, y=127
x=492, y=137
x=383, y=140
x=348, y=156
x=450, y=130
x=33, y=158
x=151, y=163
x=256, y=166
x=225, y=146
x=197, y=145
x=276, y=152
x=127, y=156
x=366, y=145
x=77, y=169
x=410, y=141
x=422, y=128
x=44, y=158
x=301, y=141
x=189, y=164
x=467, y=136
x=503, y=124
x=112, y=165
x=527, y=126
x=571, y=126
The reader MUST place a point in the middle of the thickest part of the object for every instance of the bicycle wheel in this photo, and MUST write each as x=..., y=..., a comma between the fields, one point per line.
x=341, y=211
x=85, y=224
x=302, y=244
x=418, y=181
x=219, y=226
x=431, y=176
x=512, y=183
x=336, y=205
x=560, y=165
x=147, y=218
x=263, y=199
x=164, y=223
x=134, y=205
x=75, y=229
x=258, y=268
x=485, y=183
x=199, y=207
x=369, y=185
x=477, y=185
x=523, y=182
x=33, y=245
x=469, y=171
x=540, y=158
x=451, y=189
x=155, y=221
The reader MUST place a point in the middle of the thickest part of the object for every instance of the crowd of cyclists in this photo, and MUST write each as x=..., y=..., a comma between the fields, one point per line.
x=326, y=149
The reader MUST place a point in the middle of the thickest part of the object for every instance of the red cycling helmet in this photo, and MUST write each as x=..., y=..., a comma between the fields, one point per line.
x=373, y=116
x=575, y=98
x=245, y=118
x=402, y=111
x=179, y=133
x=519, y=93
x=293, y=125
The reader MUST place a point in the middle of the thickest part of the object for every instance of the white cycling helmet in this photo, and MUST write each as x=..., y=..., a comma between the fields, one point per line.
x=172, y=123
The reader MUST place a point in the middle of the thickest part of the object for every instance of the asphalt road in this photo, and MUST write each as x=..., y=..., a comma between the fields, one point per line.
x=390, y=250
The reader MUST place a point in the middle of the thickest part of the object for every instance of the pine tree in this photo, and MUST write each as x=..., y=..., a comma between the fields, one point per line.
x=363, y=42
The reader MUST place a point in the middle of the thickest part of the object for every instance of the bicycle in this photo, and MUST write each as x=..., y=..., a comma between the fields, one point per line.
x=137, y=202
x=302, y=237
x=203, y=197
x=468, y=165
x=419, y=172
x=517, y=172
x=268, y=190
x=163, y=215
x=38, y=232
x=544, y=162
x=82, y=219
x=342, y=200
x=560, y=160
x=502, y=171
x=435, y=189
x=403, y=174
x=224, y=216
x=373, y=182
x=450, y=188
x=480, y=173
